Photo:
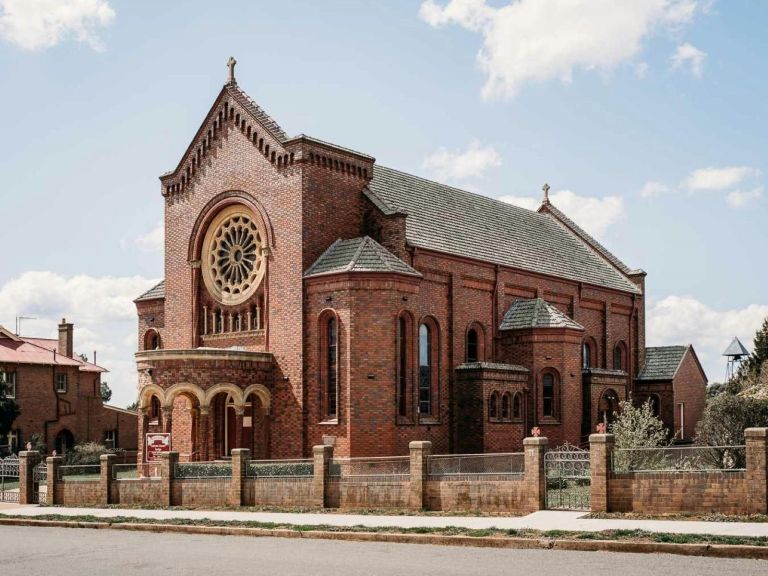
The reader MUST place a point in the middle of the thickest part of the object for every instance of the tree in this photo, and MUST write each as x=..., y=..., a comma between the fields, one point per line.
x=106, y=392
x=637, y=431
x=725, y=418
x=9, y=410
x=752, y=365
x=133, y=406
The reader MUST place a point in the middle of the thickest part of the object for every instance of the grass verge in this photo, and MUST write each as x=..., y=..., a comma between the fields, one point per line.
x=690, y=517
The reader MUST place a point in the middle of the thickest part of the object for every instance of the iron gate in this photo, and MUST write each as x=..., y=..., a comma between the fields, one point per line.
x=40, y=484
x=568, y=480
x=9, y=479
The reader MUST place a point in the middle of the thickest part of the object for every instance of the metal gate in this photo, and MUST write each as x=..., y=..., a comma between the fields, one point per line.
x=40, y=484
x=568, y=479
x=9, y=479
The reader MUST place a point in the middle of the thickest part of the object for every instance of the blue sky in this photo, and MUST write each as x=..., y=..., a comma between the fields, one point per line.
x=645, y=116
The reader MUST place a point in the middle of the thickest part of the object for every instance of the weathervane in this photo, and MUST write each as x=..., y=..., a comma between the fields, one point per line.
x=546, y=193
x=231, y=65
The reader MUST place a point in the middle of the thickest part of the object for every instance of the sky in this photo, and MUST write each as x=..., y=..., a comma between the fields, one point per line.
x=644, y=116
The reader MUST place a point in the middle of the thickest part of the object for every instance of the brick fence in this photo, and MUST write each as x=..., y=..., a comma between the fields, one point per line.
x=323, y=483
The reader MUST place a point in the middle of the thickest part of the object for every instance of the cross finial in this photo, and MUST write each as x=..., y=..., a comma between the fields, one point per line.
x=231, y=65
x=546, y=193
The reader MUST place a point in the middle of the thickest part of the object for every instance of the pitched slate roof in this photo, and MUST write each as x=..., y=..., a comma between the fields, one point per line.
x=491, y=366
x=662, y=362
x=258, y=112
x=454, y=221
x=536, y=313
x=736, y=348
x=358, y=255
x=155, y=293
x=586, y=237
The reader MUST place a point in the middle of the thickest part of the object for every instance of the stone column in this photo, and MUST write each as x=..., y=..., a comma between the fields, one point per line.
x=420, y=452
x=757, y=469
x=239, y=411
x=28, y=459
x=600, y=450
x=240, y=458
x=142, y=441
x=167, y=412
x=205, y=425
x=321, y=461
x=107, y=461
x=168, y=461
x=535, y=474
x=52, y=464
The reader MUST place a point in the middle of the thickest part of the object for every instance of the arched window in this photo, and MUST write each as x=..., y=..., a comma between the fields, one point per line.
x=506, y=401
x=403, y=374
x=154, y=409
x=472, y=345
x=152, y=340
x=493, y=406
x=425, y=370
x=331, y=367
x=609, y=404
x=517, y=406
x=619, y=357
x=428, y=371
x=549, y=395
x=586, y=355
x=655, y=405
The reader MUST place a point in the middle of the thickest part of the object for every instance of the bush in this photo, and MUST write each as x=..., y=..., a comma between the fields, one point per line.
x=725, y=418
x=88, y=453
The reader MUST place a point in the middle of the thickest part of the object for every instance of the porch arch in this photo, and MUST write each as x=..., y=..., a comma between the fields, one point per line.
x=145, y=396
x=183, y=388
x=235, y=391
x=263, y=394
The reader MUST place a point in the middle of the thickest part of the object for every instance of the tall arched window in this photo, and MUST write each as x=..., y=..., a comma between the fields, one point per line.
x=586, y=355
x=425, y=370
x=331, y=368
x=403, y=327
x=619, y=357
x=472, y=355
x=493, y=406
x=517, y=406
x=506, y=405
x=154, y=409
x=549, y=395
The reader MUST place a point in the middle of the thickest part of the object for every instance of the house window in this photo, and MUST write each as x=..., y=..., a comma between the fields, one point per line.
x=618, y=357
x=549, y=395
x=586, y=355
x=505, y=406
x=331, y=367
x=61, y=383
x=402, y=366
x=472, y=355
x=517, y=406
x=493, y=406
x=154, y=410
x=110, y=438
x=425, y=370
x=8, y=382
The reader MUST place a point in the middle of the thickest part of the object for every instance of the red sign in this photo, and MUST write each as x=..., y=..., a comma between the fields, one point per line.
x=157, y=443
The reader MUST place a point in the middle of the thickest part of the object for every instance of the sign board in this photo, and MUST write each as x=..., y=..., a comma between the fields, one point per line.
x=157, y=443
x=247, y=422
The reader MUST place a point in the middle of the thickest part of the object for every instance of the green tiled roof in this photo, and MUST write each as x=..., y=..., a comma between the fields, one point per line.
x=358, y=255
x=662, y=362
x=457, y=222
x=536, y=313
x=155, y=293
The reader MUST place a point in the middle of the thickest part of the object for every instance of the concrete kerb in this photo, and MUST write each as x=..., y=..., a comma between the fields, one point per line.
x=708, y=550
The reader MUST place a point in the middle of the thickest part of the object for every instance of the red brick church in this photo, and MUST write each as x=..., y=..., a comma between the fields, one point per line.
x=313, y=296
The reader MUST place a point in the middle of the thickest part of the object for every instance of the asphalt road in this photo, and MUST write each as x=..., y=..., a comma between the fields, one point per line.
x=28, y=551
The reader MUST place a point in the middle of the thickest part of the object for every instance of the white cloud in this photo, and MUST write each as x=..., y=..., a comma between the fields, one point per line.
x=459, y=165
x=687, y=55
x=152, y=241
x=541, y=40
x=41, y=24
x=682, y=320
x=739, y=199
x=593, y=214
x=718, y=178
x=641, y=70
x=653, y=189
x=101, y=308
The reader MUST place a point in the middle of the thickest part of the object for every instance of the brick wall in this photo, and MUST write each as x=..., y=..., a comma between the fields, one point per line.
x=467, y=495
x=689, y=387
x=287, y=492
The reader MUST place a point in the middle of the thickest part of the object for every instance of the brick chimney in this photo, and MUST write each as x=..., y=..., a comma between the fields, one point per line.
x=65, y=347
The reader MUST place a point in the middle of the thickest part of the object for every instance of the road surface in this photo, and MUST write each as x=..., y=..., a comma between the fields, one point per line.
x=33, y=551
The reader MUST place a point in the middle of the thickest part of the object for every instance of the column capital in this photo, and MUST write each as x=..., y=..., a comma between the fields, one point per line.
x=602, y=439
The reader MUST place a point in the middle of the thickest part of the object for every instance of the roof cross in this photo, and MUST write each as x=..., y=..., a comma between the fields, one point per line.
x=231, y=65
x=546, y=193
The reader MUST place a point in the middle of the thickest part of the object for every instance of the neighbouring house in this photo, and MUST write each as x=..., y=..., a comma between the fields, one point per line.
x=314, y=296
x=59, y=395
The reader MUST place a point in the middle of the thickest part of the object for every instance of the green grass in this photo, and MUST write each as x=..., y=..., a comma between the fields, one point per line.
x=611, y=535
x=701, y=517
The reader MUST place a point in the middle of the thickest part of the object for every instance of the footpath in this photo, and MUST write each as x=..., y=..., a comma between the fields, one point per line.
x=546, y=520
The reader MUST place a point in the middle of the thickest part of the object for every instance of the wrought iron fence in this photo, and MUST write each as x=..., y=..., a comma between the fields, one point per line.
x=299, y=468
x=389, y=468
x=476, y=464
x=203, y=470
x=568, y=480
x=40, y=483
x=79, y=472
x=143, y=471
x=680, y=459
x=9, y=479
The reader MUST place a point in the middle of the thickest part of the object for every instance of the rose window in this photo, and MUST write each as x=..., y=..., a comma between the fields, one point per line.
x=234, y=257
